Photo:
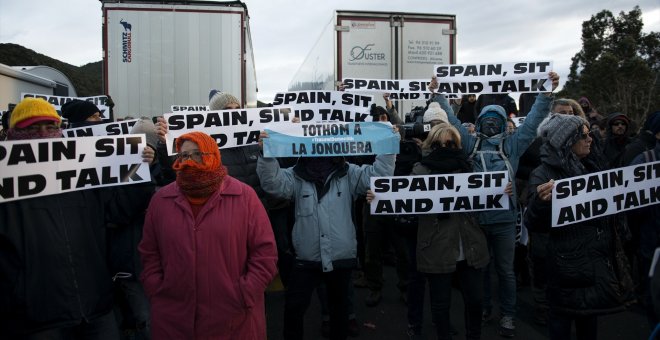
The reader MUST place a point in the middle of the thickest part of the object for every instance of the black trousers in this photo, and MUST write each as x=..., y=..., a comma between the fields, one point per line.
x=471, y=285
x=302, y=282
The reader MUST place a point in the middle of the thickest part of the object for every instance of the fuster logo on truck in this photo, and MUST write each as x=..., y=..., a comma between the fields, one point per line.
x=126, y=41
x=359, y=53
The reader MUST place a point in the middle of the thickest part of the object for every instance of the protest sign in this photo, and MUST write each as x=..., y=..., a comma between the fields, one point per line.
x=330, y=139
x=432, y=194
x=581, y=198
x=40, y=167
x=398, y=89
x=494, y=78
x=109, y=129
x=240, y=127
x=58, y=101
x=334, y=98
x=187, y=108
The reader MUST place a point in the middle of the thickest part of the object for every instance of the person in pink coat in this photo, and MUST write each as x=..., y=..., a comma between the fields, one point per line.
x=208, y=251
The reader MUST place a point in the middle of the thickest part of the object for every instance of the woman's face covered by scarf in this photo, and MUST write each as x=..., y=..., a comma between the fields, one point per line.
x=199, y=168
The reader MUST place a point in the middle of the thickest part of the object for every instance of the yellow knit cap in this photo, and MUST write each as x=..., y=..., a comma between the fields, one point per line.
x=31, y=110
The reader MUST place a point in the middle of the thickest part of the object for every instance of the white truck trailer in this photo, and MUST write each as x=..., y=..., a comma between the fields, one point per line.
x=378, y=45
x=160, y=53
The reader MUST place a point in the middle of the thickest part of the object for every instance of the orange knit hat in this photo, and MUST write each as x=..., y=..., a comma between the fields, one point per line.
x=207, y=145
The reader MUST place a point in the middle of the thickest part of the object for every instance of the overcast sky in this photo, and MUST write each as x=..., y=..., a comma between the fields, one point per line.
x=284, y=31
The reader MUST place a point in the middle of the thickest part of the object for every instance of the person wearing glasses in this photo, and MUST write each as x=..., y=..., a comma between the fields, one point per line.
x=581, y=281
x=208, y=251
x=494, y=150
x=450, y=244
x=617, y=137
x=54, y=280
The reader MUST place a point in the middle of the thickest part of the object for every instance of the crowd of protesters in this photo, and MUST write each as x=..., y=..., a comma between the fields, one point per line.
x=189, y=254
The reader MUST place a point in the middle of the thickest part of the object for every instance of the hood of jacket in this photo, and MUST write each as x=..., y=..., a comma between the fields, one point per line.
x=492, y=108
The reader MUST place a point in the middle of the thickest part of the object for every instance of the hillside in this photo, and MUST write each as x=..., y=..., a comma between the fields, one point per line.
x=87, y=79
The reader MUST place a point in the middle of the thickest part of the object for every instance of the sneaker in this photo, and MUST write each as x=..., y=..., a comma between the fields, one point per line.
x=373, y=298
x=507, y=329
x=325, y=328
x=353, y=328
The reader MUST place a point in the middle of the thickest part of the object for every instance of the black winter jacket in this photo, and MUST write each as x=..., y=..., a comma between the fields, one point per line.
x=53, y=270
x=580, y=256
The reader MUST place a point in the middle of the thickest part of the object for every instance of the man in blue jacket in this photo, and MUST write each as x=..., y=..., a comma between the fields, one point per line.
x=492, y=149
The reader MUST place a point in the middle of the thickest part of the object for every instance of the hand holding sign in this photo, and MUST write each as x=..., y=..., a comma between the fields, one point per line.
x=161, y=129
x=433, y=87
x=370, y=196
x=262, y=135
x=544, y=191
x=148, y=155
x=554, y=77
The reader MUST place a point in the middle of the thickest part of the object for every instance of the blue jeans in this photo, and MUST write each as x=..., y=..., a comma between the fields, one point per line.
x=101, y=328
x=501, y=239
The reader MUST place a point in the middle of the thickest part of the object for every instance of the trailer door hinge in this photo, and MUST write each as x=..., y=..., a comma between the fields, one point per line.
x=396, y=21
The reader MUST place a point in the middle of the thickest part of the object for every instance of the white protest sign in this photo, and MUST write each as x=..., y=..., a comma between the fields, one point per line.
x=58, y=101
x=433, y=194
x=398, y=89
x=581, y=198
x=109, y=129
x=334, y=98
x=387, y=85
x=241, y=127
x=187, y=108
x=494, y=78
x=40, y=167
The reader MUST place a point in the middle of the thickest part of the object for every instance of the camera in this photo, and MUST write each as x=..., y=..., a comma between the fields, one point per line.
x=414, y=126
x=415, y=130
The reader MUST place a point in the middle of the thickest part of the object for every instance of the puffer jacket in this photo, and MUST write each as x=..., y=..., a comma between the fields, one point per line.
x=439, y=236
x=580, y=257
x=513, y=146
x=323, y=232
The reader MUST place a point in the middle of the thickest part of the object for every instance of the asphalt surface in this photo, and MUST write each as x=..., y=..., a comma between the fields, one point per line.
x=388, y=319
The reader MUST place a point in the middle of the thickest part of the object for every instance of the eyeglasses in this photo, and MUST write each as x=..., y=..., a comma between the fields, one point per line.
x=619, y=123
x=563, y=113
x=194, y=155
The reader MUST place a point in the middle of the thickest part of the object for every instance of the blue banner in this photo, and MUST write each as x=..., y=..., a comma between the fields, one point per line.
x=331, y=139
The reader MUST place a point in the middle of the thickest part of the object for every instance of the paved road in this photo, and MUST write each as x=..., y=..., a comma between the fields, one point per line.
x=389, y=318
